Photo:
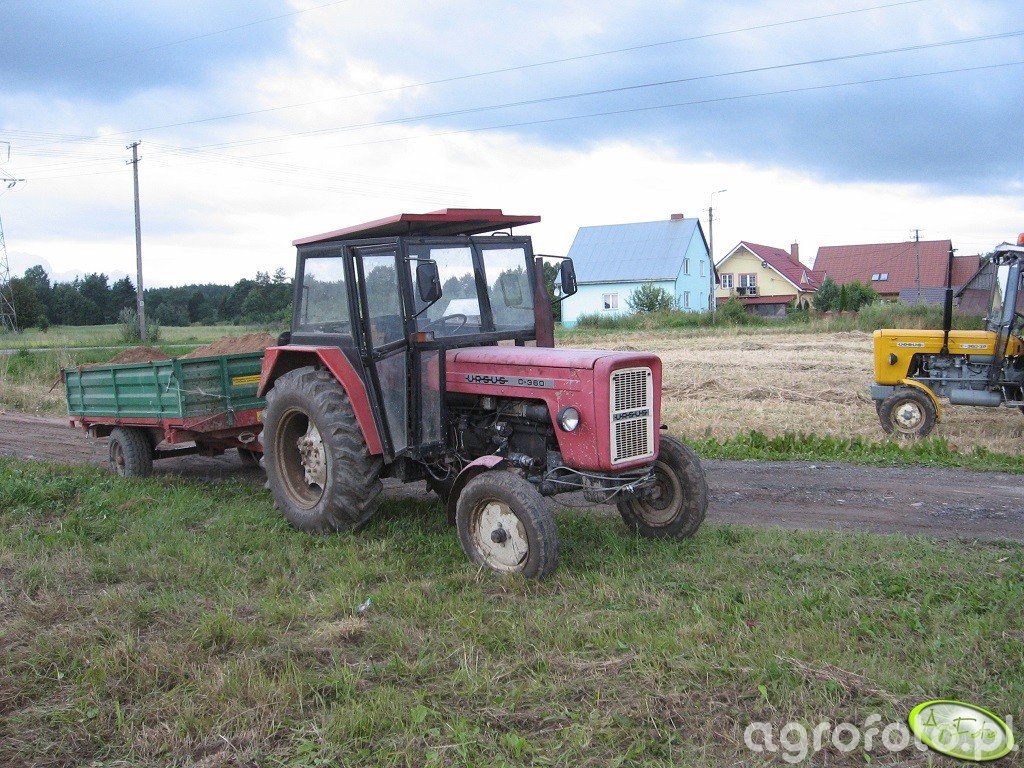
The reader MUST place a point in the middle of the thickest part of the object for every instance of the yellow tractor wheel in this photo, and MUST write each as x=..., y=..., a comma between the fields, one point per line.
x=908, y=413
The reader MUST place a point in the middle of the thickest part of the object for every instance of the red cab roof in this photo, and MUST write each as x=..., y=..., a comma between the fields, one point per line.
x=448, y=221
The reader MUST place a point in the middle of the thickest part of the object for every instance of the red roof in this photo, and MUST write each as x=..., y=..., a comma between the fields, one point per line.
x=781, y=261
x=447, y=221
x=846, y=263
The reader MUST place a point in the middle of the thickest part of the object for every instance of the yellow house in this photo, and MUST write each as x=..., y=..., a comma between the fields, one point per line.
x=767, y=280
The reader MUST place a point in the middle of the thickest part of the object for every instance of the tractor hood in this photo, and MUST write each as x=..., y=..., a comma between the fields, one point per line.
x=539, y=357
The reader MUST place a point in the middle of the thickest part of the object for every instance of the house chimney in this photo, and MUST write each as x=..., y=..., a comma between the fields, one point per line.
x=794, y=252
x=678, y=216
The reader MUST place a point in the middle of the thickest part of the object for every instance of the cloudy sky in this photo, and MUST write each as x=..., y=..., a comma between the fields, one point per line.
x=827, y=121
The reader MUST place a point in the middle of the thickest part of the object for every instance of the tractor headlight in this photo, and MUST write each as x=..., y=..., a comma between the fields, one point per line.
x=568, y=418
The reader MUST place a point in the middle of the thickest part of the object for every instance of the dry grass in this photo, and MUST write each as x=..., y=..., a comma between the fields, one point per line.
x=724, y=382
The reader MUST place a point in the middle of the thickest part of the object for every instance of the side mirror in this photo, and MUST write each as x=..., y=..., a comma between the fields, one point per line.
x=428, y=281
x=511, y=290
x=567, y=277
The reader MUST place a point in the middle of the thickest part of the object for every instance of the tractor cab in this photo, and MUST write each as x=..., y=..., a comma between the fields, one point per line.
x=393, y=295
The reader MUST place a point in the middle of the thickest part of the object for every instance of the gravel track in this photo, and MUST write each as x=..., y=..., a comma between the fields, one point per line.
x=942, y=503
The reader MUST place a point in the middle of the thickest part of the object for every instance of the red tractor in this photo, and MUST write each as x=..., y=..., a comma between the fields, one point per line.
x=408, y=358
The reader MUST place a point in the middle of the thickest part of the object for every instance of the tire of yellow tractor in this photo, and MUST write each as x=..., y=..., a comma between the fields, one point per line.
x=907, y=413
x=131, y=452
x=504, y=524
x=322, y=475
x=675, y=507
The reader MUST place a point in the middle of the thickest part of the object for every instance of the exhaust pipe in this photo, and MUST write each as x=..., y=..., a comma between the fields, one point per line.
x=983, y=397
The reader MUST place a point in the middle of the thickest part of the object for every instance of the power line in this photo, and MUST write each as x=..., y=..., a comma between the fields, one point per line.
x=532, y=65
x=607, y=91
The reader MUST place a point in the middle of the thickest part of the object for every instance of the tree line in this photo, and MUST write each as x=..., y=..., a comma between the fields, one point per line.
x=94, y=300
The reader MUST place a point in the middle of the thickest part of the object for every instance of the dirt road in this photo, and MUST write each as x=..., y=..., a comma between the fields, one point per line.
x=943, y=503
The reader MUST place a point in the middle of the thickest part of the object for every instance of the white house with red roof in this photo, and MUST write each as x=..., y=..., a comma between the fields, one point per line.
x=767, y=280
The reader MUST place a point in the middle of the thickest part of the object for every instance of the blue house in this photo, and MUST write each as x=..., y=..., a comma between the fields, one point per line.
x=614, y=260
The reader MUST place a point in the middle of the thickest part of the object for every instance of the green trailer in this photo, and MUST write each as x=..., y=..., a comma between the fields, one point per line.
x=169, y=408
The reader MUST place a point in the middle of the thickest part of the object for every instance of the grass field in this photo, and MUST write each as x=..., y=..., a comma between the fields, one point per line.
x=70, y=336
x=163, y=622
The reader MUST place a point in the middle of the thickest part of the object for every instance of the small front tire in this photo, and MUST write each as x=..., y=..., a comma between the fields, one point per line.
x=131, y=452
x=907, y=413
x=675, y=506
x=505, y=525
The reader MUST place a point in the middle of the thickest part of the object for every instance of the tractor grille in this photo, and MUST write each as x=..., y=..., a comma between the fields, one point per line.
x=632, y=415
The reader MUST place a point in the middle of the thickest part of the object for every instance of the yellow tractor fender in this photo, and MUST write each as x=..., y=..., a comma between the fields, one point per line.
x=931, y=395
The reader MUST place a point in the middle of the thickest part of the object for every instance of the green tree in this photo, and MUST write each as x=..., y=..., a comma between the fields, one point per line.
x=195, y=306
x=95, y=288
x=650, y=298
x=843, y=303
x=29, y=308
x=826, y=298
x=122, y=296
x=860, y=295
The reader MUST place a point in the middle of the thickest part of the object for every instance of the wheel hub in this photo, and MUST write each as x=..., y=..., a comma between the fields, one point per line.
x=311, y=453
x=500, y=537
x=908, y=416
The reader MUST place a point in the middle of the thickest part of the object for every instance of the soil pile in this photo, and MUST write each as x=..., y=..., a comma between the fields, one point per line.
x=131, y=355
x=253, y=342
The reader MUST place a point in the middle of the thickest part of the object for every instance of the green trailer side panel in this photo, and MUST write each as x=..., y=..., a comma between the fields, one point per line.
x=166, y=389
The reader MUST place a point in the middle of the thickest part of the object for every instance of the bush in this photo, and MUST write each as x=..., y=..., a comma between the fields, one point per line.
x=650, y=298
x=924, y=316
x=826, y=298
x=128, y=328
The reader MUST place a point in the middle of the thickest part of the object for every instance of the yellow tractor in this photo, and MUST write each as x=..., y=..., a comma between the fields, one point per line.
x=916, y=369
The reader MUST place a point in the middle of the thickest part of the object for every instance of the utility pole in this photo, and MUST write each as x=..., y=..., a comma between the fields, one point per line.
x=140, y=301
x=8, y=313
x=917, y=240
x=711, y=247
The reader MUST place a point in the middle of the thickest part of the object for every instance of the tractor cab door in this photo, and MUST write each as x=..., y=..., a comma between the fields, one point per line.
x=405, y=378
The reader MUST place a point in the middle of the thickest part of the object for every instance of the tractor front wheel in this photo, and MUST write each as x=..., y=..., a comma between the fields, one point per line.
x=675, y=505
x=505, y=525
x=908, y=413
x=319, y=469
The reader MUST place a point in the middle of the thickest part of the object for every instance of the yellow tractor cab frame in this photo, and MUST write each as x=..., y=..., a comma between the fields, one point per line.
x=916, y=369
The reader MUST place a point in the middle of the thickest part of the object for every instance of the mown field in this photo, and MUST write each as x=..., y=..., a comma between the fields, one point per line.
x=719, y=382
x=171, y=622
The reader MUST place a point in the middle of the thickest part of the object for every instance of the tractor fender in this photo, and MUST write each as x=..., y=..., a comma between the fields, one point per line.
x=471, y=470
x=278, y=361
x=928, y=391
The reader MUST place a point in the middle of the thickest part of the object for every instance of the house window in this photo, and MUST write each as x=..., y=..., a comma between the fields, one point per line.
x=748, y=280
x=726, y=278
x=702, y=269
x=880, y=276
x=610, y=301
x=686, y=299
x=686, y=266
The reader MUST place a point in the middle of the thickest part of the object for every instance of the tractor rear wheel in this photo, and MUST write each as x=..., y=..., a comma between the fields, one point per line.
x=907, y=412
x=674, y=507
x=322, y=475
x=131, y=452
x=505, y=525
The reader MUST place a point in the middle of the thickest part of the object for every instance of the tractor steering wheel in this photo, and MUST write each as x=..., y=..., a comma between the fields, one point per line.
x=443, y=321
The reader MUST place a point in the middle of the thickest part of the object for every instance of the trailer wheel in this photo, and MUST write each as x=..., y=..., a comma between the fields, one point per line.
x=907, y=412
x=505, y=525
x=675, y=506
x=131, y=452
x=322, y=475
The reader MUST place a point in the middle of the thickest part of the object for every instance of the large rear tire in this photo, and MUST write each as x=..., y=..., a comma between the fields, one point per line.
x=131, y=452
x=675, y=506
x=505, y=525
x=907, y=412
x=322, y=475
